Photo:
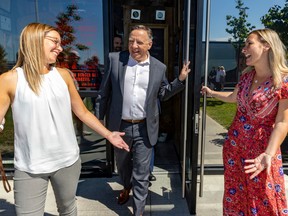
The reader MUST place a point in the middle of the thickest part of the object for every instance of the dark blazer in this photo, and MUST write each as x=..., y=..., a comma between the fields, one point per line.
x=110, y=99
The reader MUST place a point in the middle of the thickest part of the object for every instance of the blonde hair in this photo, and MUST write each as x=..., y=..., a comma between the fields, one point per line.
x=31, y=53
x=276, y=54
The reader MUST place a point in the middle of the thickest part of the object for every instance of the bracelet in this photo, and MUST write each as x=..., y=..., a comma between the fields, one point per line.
x=268, y=154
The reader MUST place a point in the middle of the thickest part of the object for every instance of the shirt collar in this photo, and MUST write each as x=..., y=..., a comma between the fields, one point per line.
x=143, y=63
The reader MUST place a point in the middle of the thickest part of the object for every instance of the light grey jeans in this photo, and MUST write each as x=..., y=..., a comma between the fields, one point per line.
x=30, y=190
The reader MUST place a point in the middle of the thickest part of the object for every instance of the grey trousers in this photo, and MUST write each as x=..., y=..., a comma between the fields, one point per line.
x=133, y=166
x=30, y=190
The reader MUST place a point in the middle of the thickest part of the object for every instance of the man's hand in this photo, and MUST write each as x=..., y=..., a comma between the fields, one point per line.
x=184, y=72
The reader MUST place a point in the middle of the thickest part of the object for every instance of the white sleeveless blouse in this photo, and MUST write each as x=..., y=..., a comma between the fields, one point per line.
x=44, y=136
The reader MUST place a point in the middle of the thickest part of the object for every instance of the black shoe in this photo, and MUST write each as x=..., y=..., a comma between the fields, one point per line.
x=152, y=177
x=150, y=184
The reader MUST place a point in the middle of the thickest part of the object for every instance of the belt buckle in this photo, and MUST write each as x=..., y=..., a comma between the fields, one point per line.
x=133, y=121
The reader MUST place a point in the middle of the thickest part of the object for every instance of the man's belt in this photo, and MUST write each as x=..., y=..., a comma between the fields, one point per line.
x=134, y=121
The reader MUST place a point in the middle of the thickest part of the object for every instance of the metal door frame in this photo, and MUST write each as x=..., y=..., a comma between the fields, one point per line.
x=192, y=101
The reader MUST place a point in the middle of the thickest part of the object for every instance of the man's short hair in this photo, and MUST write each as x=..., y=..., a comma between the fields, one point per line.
x=145, y=28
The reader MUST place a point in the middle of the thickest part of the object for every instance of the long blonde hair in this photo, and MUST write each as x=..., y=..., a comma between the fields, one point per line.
x=277, y=54
x=31, y=53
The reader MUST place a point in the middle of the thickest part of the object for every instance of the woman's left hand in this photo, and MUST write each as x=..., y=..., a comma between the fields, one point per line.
x=116, y=140
x=257, y=165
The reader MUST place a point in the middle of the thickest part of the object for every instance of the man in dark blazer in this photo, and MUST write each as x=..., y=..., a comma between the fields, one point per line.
x=132, y=85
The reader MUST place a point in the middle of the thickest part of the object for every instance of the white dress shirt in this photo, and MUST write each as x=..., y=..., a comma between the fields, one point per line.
x=135, y=89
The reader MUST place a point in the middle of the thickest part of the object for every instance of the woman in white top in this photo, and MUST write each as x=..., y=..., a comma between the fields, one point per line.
x=42, y=97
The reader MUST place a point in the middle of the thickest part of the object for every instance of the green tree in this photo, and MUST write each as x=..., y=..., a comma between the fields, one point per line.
x=67, y=31
x=239, y=31
x=277, y=19
x=3, y=60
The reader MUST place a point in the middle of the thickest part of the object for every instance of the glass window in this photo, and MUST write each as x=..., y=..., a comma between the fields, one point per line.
x=80, y=23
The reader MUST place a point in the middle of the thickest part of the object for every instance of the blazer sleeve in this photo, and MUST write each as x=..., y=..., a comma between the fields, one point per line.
x=103, y=98
x=167, y=90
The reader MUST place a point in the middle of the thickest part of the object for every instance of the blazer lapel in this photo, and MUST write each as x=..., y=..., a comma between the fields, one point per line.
x=151, y=78
x=122, y=65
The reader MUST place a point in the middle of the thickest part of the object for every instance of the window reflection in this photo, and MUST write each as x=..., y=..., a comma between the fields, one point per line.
x=80, y=23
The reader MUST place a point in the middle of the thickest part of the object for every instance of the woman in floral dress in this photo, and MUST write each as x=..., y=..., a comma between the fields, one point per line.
x=254, y=177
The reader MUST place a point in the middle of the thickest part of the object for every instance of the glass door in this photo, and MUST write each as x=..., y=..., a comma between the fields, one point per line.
x=204, y=155
x=192, y=38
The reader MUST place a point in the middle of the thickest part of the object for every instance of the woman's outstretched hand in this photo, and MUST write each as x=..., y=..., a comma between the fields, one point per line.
x=116, y=140
x=257, y=165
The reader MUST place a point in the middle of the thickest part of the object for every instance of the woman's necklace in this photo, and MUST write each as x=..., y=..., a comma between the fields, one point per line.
x=261, y=79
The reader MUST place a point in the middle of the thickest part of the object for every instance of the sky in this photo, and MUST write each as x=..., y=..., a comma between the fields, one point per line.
x=220, y=8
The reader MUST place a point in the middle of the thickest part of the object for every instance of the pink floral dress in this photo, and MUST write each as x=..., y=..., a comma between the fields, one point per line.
x=247, y=138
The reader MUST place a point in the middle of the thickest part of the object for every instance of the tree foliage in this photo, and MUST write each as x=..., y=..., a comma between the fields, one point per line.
x=67, y=31
x=239, y=30
x=3, y=60
x=277, y=19
x=239, y=25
